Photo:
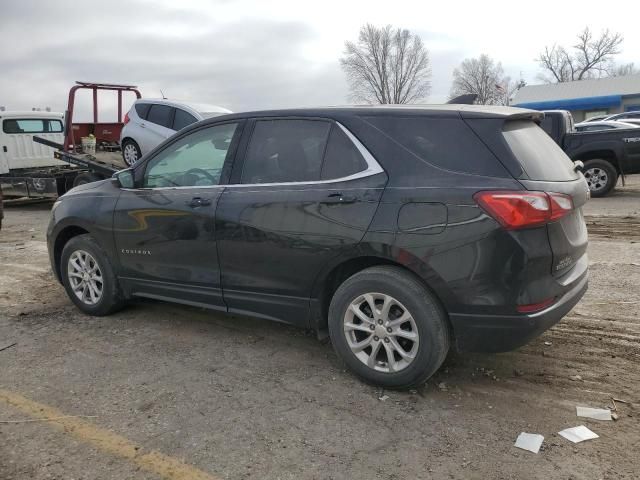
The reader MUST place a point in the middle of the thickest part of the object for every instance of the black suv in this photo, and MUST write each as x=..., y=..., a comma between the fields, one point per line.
x=399, y=231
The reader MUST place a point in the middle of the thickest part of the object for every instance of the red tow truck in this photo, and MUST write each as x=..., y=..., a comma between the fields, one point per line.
x=52, y=168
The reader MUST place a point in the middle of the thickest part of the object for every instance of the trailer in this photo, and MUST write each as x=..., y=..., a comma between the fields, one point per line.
x=42, y=157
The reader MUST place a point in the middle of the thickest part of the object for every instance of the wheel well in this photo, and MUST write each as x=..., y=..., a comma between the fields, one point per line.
x=61, y=240
x=601, y=155
x=340, y=273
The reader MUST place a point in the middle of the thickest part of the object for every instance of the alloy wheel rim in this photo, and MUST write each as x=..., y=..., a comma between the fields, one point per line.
x=85, y=277
x=130, y=154
x=381, y=332
x=596, y=178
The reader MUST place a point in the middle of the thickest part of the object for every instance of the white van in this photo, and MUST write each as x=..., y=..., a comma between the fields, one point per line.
x=18, y=151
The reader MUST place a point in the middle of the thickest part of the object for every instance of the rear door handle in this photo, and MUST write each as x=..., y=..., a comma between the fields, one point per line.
x=4, y=149
x=199, y=202
x=339, y=198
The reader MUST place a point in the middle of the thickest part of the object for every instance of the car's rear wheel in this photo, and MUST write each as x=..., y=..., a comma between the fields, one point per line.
x=601, y=177
x=88, y=277
x=130, y=152
x=388, y=328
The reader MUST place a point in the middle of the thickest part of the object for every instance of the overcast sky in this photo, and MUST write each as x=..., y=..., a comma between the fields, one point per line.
x=252, y=54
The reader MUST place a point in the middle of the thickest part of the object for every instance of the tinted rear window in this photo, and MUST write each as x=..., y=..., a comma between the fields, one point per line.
x=31, y=125
x=341, y=158
x=142, y=109
x=182, y=119
x=161, y=115
x=540, y=157
x=444, y=142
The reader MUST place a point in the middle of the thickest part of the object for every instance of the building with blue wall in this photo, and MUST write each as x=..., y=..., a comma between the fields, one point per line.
x=583, y=98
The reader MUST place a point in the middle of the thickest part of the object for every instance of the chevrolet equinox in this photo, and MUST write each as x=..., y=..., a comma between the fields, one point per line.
x=400, y=232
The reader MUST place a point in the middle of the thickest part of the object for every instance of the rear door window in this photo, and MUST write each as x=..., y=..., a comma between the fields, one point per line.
x=540, y=157
x=142, y=109
x=161, y=115
x=182, y=119
x=282, y=151
x=31, y=125
x=446, y=143
x=341, y=158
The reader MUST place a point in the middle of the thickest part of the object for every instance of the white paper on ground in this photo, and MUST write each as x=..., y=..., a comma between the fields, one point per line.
x=578, y=434
x=594, y=413
x=529, y=441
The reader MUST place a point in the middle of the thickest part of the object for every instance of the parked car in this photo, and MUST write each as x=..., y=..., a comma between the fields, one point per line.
x=606, y=154
x=602, y=125
x=150, y=122
x=596, y=118
x=624, y=116
x=399, y=232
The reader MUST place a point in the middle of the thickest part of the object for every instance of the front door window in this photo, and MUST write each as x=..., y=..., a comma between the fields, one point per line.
x=193, y=161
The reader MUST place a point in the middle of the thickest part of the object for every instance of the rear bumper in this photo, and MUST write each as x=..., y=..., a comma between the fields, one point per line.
x=501, y=333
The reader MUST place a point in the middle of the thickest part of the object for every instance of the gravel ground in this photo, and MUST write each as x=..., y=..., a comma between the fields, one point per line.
x=242, y=398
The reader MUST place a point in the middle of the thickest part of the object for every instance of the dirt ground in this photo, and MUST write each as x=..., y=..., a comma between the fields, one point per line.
x=228, y=397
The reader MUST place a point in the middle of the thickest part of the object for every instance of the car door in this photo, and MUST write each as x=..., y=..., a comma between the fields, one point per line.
x=304, y=193
x=165, y=230
x=157, y=127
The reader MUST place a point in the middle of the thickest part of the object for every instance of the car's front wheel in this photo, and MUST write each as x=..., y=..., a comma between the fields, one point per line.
x=130, y=152
x=88, y=277
x=388, y=328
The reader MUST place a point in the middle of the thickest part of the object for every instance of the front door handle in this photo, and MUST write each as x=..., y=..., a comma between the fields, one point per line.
x=199, y=202
x=339, y=198
x=4, y=149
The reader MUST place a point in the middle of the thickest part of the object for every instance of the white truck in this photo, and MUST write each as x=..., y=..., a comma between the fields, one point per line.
x=29, y=169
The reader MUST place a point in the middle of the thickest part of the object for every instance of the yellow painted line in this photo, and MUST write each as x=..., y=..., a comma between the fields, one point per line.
x=105, y=440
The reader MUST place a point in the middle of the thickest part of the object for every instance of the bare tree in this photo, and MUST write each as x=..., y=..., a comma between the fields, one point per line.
x=591, y=57
x=485, y=78
x=387, y=65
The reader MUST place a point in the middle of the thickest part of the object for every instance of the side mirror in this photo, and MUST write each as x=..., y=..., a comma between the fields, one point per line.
x=125, y=178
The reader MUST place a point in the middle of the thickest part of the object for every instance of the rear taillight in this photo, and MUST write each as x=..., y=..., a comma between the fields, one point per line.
x=523, y=209
x=126, y=118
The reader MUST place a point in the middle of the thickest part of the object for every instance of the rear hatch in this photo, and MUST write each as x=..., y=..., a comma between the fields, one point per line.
x=546, y=168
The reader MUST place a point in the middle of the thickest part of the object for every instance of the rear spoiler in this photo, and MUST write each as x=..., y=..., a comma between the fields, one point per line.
x=465, y=99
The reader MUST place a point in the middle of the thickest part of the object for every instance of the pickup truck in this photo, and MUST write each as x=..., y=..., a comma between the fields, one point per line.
x=606, y=154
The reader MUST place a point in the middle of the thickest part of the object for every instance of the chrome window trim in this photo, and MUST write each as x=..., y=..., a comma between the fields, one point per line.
x=373, y=168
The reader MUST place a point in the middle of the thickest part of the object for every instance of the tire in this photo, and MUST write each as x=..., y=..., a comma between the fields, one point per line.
x=429, y=321
x=601, y=177
x=110, y=298
x=86, y=178
x=130, y=152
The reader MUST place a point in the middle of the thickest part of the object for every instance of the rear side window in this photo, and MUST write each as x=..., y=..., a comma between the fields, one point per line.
x=31, y=125
x=446, y=143
x=342, y=158
x=540, y=157
x=142, y=109
x=285, y=151
x=182, y=119
x=161, y=115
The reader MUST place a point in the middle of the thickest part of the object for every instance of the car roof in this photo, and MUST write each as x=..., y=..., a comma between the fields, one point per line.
x=449, y=110
x=29, y=114
x=197, y=107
